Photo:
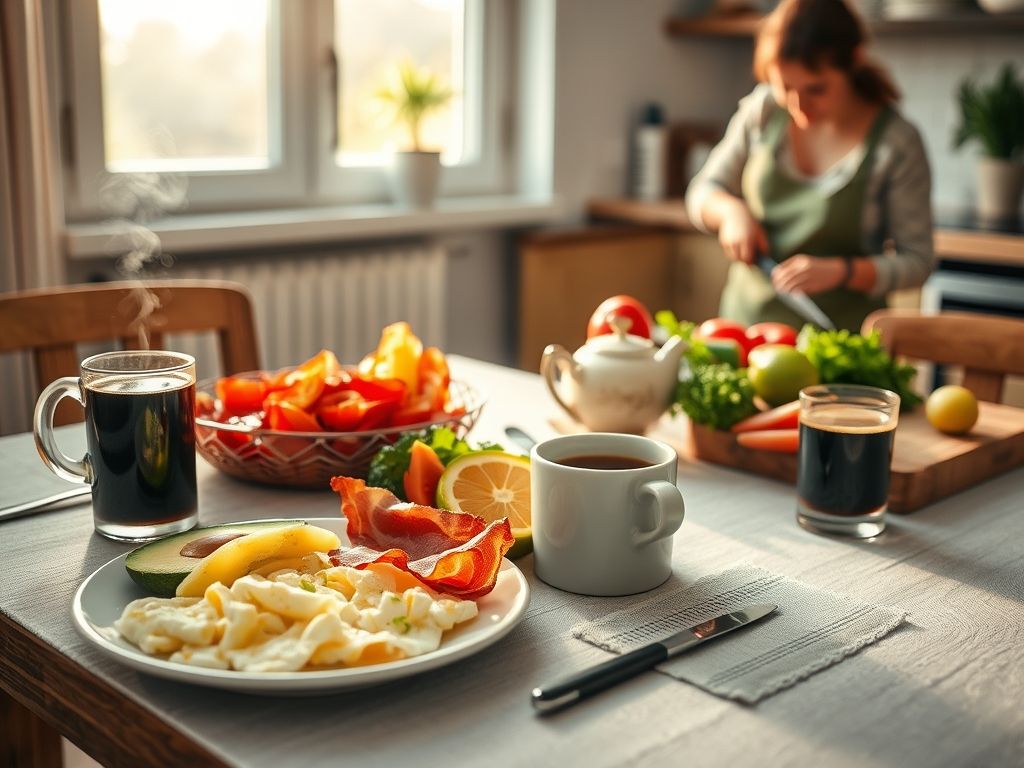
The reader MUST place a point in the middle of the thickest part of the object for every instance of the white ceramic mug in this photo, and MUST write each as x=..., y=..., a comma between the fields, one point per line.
x=603, y=531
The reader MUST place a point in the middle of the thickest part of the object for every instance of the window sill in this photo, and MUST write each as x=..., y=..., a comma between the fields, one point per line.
x=258, y=229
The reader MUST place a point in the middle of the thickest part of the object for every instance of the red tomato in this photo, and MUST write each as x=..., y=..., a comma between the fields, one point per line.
x=720, y=328
x=620, y=306
x=341, y=411
x=425, y=470
x=288, y=417
x=771, y=333
x=239, y=396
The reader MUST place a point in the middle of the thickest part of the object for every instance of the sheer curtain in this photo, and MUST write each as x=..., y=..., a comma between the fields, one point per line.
x=31, y=214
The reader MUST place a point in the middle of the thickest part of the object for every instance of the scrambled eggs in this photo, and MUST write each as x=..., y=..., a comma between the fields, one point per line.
x=290, y=619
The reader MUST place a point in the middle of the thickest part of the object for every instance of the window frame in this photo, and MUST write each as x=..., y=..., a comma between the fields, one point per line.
x=302, y=169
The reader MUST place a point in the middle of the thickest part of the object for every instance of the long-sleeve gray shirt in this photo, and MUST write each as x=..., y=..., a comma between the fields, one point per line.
x=896, y=227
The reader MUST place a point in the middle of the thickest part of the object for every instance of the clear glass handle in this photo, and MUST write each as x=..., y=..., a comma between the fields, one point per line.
x=59, y=463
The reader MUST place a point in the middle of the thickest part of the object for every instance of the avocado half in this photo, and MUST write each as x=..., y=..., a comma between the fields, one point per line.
x=159, y=567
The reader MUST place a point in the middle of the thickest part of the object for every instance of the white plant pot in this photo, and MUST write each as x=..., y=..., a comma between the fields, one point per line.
x=1000, y=183
x=414, y=178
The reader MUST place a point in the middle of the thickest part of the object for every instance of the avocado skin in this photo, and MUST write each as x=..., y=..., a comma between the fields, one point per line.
x=158, y=567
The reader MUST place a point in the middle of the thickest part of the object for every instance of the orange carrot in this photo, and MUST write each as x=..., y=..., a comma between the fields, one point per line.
x=779, y=440
x=784, y=417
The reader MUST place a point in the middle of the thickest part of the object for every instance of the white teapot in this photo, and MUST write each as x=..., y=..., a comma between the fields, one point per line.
x=615, y=382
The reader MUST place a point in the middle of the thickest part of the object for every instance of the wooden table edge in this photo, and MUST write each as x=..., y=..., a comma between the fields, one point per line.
x=96, y=716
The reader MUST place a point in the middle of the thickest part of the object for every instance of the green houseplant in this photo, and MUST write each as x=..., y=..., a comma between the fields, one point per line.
x=413, y=95
x=993, y=116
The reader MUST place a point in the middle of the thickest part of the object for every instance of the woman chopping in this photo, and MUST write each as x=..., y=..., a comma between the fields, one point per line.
x=818, y=179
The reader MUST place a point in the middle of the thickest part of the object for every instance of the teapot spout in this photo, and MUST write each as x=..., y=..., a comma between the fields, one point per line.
x=671, y=353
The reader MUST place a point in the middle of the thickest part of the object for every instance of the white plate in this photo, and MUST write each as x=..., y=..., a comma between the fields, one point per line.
x=103, y=596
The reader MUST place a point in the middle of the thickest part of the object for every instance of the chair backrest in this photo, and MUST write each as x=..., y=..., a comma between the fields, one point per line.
x=50, y=323
x=987, y=346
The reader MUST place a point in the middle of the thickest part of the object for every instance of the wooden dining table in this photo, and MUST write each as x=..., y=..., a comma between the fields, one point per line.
x=945, y=689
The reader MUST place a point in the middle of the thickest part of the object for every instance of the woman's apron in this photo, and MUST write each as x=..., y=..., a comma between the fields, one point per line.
x=799, y=218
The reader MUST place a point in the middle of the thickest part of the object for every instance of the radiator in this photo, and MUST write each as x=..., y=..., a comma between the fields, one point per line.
x=339, y=302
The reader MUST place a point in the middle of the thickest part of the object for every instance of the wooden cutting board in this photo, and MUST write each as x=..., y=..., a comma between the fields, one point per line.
x=926, y=464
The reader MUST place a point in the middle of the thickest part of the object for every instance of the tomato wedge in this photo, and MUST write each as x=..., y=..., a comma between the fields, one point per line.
x=784, y=417
x=778, y=440
x=425, y=470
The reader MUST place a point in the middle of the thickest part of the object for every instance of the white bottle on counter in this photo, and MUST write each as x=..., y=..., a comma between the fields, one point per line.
x=650, y=151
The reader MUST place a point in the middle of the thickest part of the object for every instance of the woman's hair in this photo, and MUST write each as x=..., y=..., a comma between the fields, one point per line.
x=817, y=33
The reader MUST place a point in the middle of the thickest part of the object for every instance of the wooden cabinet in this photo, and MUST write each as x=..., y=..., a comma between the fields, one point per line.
x=564, y=275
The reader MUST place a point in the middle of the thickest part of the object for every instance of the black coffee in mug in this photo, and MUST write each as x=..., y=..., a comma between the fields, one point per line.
x=604, y=461
x=140, y=429
x=141, y=437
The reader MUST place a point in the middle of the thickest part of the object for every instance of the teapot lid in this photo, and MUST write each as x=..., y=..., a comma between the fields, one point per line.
x=620, y=343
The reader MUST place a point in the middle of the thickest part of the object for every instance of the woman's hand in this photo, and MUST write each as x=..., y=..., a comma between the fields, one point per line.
x=741, y=235
x=808, y=274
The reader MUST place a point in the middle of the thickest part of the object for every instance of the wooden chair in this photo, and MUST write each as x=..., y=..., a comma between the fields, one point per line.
x=988, y=347
x=51, y=323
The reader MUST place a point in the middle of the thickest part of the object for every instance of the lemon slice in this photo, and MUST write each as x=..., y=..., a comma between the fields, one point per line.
x=491, y=485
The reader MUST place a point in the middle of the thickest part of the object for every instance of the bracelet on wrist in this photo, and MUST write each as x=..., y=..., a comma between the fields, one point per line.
x=847, y=271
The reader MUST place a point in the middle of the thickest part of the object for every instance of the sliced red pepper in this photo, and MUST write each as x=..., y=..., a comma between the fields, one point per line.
x=302, y=393
x=417, y=411
x=341, y=411
x=434, y=377
x=378, y=414
x=286, y=416
x=239, y=395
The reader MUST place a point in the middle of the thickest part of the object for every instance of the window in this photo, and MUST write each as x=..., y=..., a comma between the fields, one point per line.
x=256, y=103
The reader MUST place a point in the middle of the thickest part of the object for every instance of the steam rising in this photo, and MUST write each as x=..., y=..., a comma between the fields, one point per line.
x=136, y=199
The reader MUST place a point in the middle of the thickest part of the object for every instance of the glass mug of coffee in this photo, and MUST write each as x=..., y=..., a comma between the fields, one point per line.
x=140, y=429
x=604, y=509
x=846, y=441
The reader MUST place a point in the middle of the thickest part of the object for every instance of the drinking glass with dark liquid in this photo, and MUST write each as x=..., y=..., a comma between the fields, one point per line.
x=846, y=442
x=140, y=430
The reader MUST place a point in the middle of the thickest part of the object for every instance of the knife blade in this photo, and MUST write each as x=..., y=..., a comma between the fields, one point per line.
x=798, y=301
x=597, y=678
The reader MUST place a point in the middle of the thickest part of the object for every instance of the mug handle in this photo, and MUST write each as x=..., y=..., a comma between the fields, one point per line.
x=668, y=501
x=60, y=464
x=554, y=363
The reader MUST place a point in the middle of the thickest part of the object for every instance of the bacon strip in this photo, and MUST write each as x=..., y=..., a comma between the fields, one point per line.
x=451, y=552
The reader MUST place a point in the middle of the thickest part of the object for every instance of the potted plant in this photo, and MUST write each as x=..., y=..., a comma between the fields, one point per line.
x=416, y=172
x=994, y=117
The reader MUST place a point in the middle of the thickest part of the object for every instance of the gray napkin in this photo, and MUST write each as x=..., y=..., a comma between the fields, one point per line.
x=812, y=629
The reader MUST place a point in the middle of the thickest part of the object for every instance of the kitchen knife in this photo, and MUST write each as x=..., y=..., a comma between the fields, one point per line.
x=602, y=676
x=798, y=301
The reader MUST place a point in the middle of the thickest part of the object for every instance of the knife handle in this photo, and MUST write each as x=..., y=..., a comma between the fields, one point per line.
x=597, y=678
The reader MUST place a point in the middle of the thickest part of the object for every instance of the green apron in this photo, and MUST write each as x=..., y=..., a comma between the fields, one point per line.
x=799, y=218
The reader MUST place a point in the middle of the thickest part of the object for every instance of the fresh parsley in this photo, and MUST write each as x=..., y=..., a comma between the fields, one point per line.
x=710, y=393
x=307, y=585
x=392, y=461
x=842, y=357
